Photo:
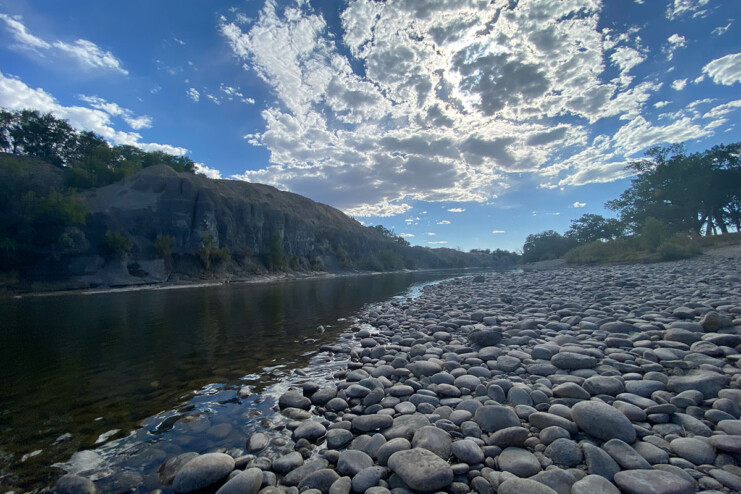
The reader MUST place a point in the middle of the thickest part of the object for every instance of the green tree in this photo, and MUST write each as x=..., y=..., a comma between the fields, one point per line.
x=545, y=246
x=277, y=257
x=699, y=192
x=117, y=243
x=593, y=227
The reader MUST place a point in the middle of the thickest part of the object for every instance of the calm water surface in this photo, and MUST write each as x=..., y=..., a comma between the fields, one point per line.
x=77, y=366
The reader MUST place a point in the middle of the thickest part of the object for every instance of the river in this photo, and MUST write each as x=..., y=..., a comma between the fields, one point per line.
x=75, y=367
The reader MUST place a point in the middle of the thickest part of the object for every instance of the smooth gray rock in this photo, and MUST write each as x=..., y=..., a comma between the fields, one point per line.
x=257, y=442
x=352, y=461
x=321, y=480
x=171, y=466
x=295, y=476
x=368, y=423
x=246, y=482
x=421, y=470
x=709, y=383
x=518, y=461
x=391, y=447
x=286, y=463
x=309, y=430
x=594, y=484
x=495, y=417
x=557, y=479
x=573, y=361
x=203, y=471
x=524, y=486
x=74, y=484
x=367, y=478
x=599, y=462
x=433, y=439
x=468, y=451
x=697, y=451
x=294, y=399
x=341, y=486
x=652, y=482
x=625, y=456
x=338, y=438
x=564, y=452
x=509, y=436
x=603, y=421
x=405, y=426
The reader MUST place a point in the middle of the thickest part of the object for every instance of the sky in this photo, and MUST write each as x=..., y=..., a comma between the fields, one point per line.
x=456, y=123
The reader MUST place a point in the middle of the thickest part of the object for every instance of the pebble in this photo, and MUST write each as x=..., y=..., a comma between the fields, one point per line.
x=203, y=471
x=599, y=380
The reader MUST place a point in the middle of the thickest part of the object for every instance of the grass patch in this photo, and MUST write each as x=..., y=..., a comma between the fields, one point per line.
x=654, y=249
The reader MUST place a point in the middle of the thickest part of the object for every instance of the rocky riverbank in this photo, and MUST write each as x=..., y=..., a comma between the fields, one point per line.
x=579, y=380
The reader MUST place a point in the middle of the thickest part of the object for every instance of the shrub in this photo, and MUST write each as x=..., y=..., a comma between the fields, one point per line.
x=116, y=242
x=653, y=233
x=677, y=248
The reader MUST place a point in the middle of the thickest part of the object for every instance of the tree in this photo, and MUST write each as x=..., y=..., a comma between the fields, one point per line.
x=592, y=227
x=277, y=257
x=696, y=193
x=545, y=246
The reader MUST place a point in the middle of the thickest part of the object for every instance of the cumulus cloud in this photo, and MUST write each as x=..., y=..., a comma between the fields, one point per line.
x=114, y=110
x=202, y=169
x=193, y=94
x=85, y=52
x=679, y=8
x=725, y=70
x=441, y=101
x=578, y=204
x=673, y=43
x=16, y=95
x=679, y=84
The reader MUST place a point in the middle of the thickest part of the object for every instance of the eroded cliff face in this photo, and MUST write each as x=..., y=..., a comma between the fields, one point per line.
x=242, y=229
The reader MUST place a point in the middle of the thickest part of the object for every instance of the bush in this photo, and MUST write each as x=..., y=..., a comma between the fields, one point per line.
x=117, y=243
x=677, y=248
x=163, y=246
x=653, y=233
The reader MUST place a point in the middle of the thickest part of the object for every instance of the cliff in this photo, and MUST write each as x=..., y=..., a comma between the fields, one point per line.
x=162, y=226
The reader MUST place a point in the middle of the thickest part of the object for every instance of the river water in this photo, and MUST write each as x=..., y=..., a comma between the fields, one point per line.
x=80, y=371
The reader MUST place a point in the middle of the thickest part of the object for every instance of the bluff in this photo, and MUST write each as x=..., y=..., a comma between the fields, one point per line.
x=160, y=225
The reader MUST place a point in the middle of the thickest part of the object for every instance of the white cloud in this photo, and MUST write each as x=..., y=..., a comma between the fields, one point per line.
x=679, y=84
x=498, y=231
x=457, y=210
x=21, y=34
x=193, y=94
x=661, y=104
x=406, y=235
x=578, y=204
x=684, y=7
x=439, y=242
x=16, y=95
x=725, y=70
x=114, y=110
x=674, y=42
x=443, y=222
x=85, y=52
x=431, y=234
x=450, y=105
x=721, y=30
x=209, y=172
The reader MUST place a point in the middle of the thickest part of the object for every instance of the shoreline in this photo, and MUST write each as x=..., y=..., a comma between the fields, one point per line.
x=257, y=279
x=584, y=378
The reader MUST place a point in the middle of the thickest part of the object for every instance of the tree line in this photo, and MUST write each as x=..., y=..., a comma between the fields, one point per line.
x=88, y=160
x=673, y=197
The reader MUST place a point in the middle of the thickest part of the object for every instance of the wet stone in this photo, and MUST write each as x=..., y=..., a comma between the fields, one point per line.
x=421, y=470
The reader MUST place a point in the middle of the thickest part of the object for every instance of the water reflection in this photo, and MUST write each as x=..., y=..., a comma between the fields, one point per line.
x=86, y=364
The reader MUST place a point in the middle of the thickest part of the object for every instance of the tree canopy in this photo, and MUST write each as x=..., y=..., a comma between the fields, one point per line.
x=88, y=159
x=695, y=193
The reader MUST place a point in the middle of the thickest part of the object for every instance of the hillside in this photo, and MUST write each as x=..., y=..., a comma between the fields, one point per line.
x=163, y=226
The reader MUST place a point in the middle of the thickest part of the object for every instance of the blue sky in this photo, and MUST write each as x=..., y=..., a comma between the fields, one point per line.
x=458, y=123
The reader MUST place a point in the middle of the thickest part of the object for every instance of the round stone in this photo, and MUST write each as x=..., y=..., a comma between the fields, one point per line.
x=421, y=470
x=495, y=417
x=468, y=451
x=603, y=421
x=518, y=461
x=433, y=439
x=203, y=471
x=652, y=482
x=697, y=451
x=522, y=486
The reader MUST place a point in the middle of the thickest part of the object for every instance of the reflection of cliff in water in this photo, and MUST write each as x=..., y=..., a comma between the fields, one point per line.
x=87, y=364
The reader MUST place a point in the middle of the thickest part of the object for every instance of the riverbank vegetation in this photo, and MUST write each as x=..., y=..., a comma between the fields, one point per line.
x=677, y=204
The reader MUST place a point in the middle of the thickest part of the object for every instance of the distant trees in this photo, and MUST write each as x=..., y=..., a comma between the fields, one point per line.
x=86, y=157
x=694, y=193
x=672, y=196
